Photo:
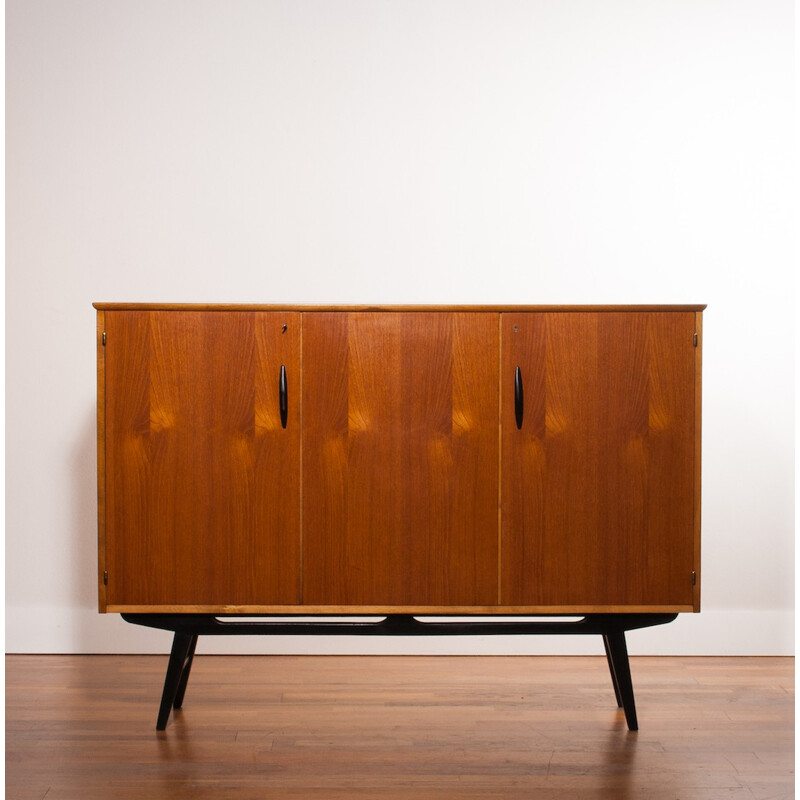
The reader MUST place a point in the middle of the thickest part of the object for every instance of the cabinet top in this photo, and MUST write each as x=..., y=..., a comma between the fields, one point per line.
x=373, y=308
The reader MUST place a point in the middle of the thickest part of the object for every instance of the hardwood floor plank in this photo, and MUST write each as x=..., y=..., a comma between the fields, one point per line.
x=399, y=727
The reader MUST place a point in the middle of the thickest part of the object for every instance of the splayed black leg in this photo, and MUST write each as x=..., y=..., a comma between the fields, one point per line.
x=611, y=670
x=185, y=674
x=621, y=673
x=180, y=661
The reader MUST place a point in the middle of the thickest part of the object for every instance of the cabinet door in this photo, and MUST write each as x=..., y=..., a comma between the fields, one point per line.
x=400, y=458
x=202, y=479
x=598, y=484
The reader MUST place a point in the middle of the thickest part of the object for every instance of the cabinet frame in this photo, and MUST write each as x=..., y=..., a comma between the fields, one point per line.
x=302, y=608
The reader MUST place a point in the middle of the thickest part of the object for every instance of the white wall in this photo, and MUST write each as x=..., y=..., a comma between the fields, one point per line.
x=411, y=152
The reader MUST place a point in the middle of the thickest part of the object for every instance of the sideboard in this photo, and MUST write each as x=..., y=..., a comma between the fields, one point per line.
x=401, y=462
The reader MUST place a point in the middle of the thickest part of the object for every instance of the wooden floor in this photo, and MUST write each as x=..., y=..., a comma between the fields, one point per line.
x=399, y=727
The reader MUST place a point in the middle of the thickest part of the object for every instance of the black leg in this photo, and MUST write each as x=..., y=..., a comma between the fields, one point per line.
x=611, y=670
x=182, y=644
x=185, y=674
x=621, y=669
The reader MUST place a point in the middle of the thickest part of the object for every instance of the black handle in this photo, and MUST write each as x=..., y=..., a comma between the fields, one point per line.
x=519, y=401
x=284, y=399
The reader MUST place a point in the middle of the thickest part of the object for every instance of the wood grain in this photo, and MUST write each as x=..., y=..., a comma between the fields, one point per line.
x=277, y=558
x=337, y=727
x=598, y=486
x=187, y=390
x=127, y=463
x=671, y=443
x=400, y=453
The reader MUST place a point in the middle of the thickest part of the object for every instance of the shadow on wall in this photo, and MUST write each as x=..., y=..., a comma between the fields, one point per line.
x=83, y=530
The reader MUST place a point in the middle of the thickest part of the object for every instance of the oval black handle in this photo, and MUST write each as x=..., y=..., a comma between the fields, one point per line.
x=519, y=400
x=284, y=398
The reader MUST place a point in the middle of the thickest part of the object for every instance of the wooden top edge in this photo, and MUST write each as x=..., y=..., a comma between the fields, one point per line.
x=349, y=308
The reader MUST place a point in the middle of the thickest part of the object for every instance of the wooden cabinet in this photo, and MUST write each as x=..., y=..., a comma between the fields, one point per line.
x=263, y=459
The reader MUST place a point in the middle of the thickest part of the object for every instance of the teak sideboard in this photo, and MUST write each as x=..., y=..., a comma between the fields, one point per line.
x=401, y=462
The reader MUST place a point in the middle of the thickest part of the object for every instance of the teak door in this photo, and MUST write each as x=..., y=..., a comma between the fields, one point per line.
x=400, y=458
x=202, y=479
x=598, y=485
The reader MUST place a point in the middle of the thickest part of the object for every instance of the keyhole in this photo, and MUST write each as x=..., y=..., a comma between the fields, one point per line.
x=285, y=326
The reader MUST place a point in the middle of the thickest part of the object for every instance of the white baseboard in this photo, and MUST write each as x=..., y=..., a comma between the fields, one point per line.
x=710, y=633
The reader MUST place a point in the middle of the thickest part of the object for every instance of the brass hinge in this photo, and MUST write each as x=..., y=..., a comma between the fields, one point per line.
x=694, y=579
x=104, y=338
x=105, y=578
x=695, y=339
